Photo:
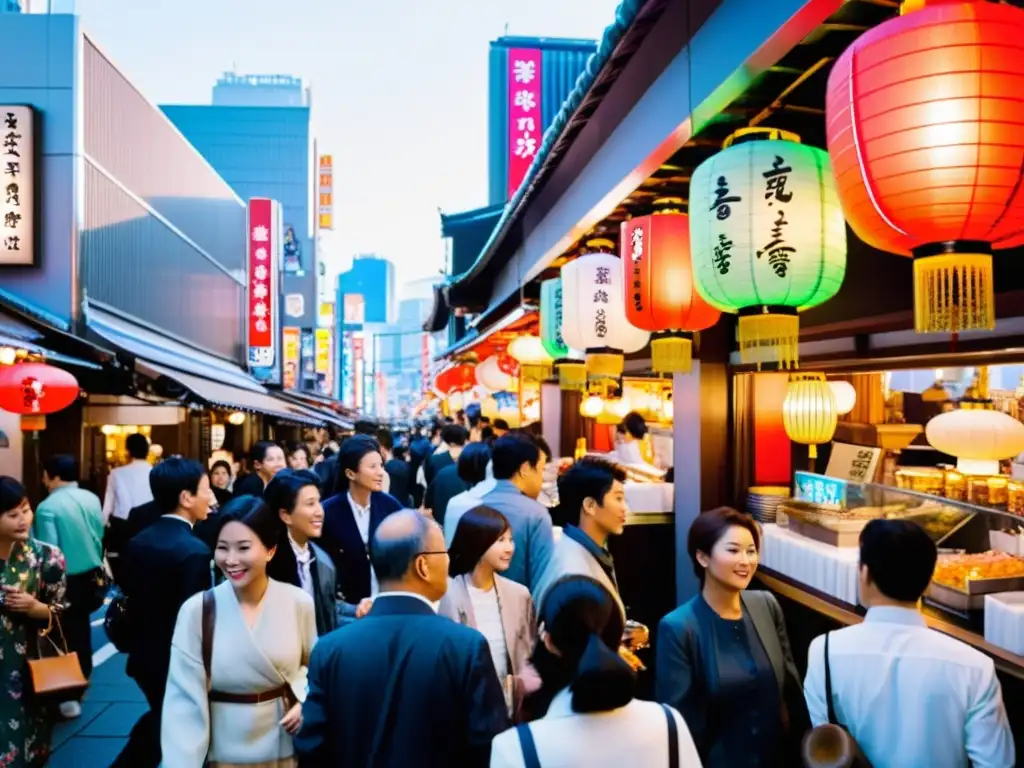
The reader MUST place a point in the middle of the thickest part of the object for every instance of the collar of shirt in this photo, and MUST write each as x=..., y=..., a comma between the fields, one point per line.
x=358, y=508
x=173, y=516
x=561, y=705
x=302, y=554
x=433, y=606
x=64, y=487
x=602, y=555
x=891, y=614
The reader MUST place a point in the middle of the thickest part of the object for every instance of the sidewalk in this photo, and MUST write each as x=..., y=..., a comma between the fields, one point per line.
x=111, y=706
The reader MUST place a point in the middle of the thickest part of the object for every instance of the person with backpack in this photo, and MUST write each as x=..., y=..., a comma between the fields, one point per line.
x=239, y=655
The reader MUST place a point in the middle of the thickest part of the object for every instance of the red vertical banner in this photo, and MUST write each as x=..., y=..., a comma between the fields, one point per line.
x=424, y=364
x=524, y=113
x=264, y=241
x=772, y=447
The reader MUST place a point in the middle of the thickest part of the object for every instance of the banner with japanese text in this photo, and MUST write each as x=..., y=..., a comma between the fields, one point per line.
x=18, y=203
x=264, y=229
x=325, y=192
x=524, y=113
x=291, y=341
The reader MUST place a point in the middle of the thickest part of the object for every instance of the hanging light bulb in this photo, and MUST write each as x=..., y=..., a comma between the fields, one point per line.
x=845, y=395
x=591, y=407
x=237, y=418
x=534, y=361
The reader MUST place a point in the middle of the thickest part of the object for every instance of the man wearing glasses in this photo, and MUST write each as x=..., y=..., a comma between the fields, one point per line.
x=403, y=686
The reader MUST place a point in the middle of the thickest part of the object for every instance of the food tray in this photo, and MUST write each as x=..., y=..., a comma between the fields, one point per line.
x=973, y=598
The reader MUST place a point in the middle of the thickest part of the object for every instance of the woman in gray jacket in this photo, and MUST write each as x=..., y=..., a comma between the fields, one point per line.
x=498, y=608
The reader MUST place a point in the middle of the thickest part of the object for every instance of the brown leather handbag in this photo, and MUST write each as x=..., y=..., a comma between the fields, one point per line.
x=60, y=674
x=831, y=745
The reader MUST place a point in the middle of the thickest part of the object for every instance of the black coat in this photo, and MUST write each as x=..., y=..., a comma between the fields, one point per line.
x=284, y=567
x=401, y=687
x=401, y=480
x=250, y=485
x=341, y=541
x=164, y=566
x=435, y=464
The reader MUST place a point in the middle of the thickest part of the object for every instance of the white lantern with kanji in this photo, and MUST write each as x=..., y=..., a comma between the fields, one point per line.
x=594, y=314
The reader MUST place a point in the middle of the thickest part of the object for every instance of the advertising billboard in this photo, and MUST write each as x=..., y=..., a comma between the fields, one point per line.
x=18, y=201
x=263, y=322
x=524, y=113
x=291, y=343
x=325, y=208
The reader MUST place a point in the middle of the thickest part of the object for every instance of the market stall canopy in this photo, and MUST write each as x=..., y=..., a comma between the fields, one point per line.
x=334, y=412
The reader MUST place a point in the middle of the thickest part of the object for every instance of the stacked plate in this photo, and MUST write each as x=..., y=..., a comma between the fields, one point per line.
x=763, y=501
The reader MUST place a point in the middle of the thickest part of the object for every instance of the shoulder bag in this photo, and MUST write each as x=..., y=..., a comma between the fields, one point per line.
x=831, y=745
x=532, y=760
x=60, y=674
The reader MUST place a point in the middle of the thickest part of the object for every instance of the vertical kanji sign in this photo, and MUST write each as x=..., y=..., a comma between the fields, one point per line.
x=264, y=227
x=524, y=113
x=325, y=193
x=17, y=186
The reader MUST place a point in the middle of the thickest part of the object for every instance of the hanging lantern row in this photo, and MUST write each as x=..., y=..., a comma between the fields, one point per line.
x=533, y=359
x=491, y=375
x=572, y=370
x=458, y=378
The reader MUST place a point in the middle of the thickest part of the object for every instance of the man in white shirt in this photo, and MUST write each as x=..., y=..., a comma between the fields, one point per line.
x=909, y=696
x=128, y=486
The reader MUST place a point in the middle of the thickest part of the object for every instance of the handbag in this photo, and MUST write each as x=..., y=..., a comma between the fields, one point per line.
x=99, y=587
x=831, y=745
x=117, y=623
x=532, y=760
x=60, y=674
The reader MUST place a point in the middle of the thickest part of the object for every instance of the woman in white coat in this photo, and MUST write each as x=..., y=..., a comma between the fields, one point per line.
x=239, y=656
x=591, y=719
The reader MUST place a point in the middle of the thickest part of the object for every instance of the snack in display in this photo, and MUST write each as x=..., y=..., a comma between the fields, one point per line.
x=956, y=570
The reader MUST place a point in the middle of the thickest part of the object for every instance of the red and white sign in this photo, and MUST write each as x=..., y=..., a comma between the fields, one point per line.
x=264, y=227
x=524, y=113
x=425, y=377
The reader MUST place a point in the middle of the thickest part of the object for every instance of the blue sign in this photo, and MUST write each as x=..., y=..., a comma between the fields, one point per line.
x=819, y=489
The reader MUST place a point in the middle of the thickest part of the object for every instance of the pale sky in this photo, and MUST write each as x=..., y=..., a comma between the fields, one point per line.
x=399, y=91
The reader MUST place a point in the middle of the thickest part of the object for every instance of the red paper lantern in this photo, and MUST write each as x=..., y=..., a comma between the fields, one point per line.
x=459, y=378
x=508, y=365
x=660, y=293
x=925, y=126
x=36, y=389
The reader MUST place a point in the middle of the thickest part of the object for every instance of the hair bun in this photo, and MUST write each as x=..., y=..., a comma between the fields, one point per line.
x=603, y=679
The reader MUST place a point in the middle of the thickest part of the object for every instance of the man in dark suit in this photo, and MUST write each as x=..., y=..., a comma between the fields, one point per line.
x=164, y=565
x=403, y=686
x=454, y=438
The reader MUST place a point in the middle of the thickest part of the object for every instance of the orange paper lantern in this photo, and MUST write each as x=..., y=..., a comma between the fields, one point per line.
x=925, y=128
x=660, y=293
x=459, y=378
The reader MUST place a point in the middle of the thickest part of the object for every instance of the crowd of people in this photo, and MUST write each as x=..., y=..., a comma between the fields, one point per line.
x=409, y=602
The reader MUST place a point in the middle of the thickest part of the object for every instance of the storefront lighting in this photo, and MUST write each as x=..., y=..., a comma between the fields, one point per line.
x=531, y=411
x=979, y=438
x=591, y=407
x=768, y=238
x=809, y=412
x=110, y=429
x=923, y=116
x=845, y=395
x=594, y=311
x=667, y=410
x=534, y=361
x=456, y=402
x=237, y=418
x=8, y=355
x=659, y=288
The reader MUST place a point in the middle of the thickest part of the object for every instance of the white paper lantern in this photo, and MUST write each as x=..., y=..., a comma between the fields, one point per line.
x=534, y=361
x=489, y=375
x=978, y=438
x=845, y=395
x=594, y=313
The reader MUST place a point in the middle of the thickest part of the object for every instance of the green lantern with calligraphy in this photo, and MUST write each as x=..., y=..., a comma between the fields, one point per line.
x=572, y=369
x=768, y=238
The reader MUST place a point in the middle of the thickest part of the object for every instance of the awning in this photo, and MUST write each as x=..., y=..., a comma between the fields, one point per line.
x=317, y=404
x=226, y=396
x=20, y=335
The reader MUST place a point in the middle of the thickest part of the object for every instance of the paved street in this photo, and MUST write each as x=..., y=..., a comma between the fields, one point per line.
x=110, y=709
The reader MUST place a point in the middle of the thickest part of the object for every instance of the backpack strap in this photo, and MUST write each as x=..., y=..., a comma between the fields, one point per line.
x=209, y=621
x=673, y=737
x=530, y=757
x=828, y=686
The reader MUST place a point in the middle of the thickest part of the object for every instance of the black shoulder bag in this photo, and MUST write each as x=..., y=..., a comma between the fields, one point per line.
x=831, y=745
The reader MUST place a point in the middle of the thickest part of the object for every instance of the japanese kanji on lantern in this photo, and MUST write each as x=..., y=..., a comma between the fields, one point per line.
x=768, y=238
x=924, y=116
x=36, y=389
x=594, y=311
x=660, y=293
x=572, y=369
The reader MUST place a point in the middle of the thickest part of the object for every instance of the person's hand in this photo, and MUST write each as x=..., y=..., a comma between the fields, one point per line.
x=636, y=636
x=18, y=601
x=364, y=607
x=530, y=679
x=292, y=721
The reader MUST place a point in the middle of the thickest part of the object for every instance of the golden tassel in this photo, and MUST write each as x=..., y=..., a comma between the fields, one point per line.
x=954, y=292
x=604, y=365
x=671, y=354
x=769, y=338
x=572, y=376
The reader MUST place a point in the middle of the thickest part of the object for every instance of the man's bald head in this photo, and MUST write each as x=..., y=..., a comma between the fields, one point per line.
x=398, y=545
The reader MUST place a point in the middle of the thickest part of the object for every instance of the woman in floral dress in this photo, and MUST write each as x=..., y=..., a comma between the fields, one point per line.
x=31, y=580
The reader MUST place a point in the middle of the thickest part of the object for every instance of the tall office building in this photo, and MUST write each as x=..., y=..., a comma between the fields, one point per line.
x=257, y=135
x=373, y=278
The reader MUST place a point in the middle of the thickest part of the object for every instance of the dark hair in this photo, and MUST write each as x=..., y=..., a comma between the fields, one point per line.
x=351, y=455
x=710, y=527
x=259, y=450
x=635, y=425
x=400, y=452
x=282, y=493
x=588, y=478
x=511, y=451
x=900, y=558
x=327, y=452
x=137, y=446
x=385, y=438
x=392, y=557
x=303, y=448
x=256, y=515
x=501, y=424
x=477, y=530
x=473, y=463
x=171, y=477
x=487, y=434
x=454, y=434
x=484, y=420
x=12, y=494
x=61, y=467
x=220, y=463
x=365, y=427
x=584, y=622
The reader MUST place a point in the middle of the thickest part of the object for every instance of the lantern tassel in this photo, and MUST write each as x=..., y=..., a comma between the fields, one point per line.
x=605, y=364
x=672, y=354
x=769, y=338
x=954, y=292
x=572, y=376
x=535, y=371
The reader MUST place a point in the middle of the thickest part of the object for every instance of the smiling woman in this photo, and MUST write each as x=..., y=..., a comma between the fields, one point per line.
x=239, y=654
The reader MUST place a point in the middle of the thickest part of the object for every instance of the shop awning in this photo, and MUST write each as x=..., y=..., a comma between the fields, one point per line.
x=318, y=404
x=20, y=335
